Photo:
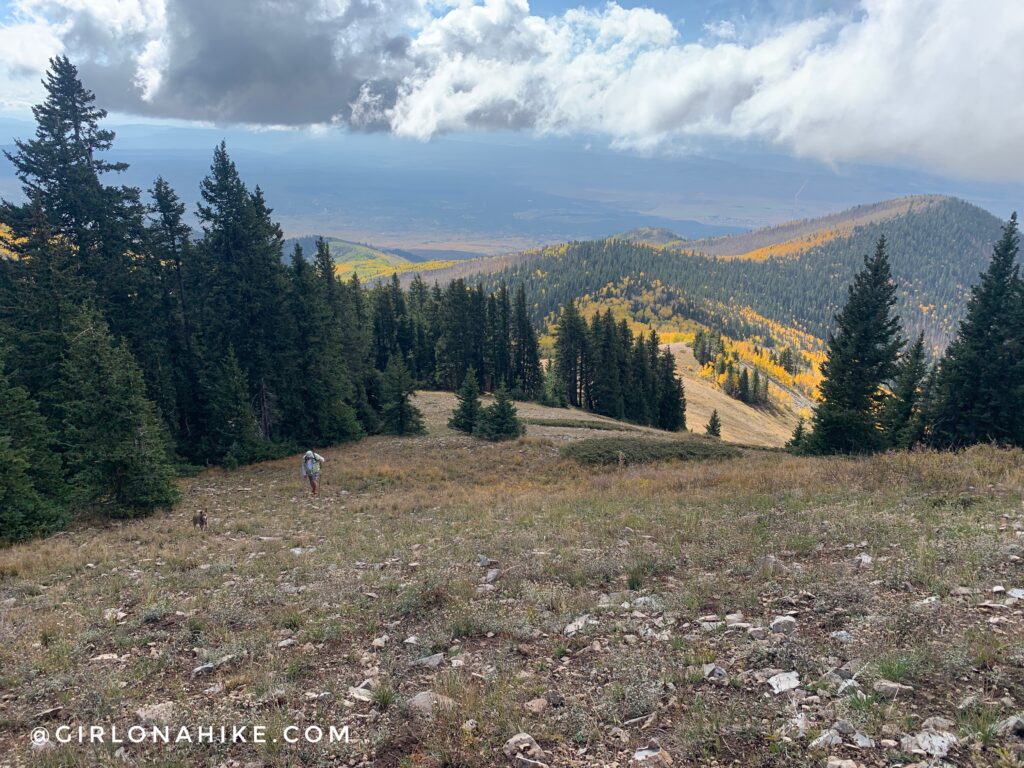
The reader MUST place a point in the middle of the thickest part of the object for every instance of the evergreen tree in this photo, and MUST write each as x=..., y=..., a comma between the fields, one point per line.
x=467, y=412
x=527, y=375
x=714, y=425
x=499, y=421
x=31, y=486
x=979, y=389
x=902, y=415
x=671, y=398
x=116, y=448
x=229, y=432
x=400, y=416
x=797, y=442
x=743, y=390
x=861, y=358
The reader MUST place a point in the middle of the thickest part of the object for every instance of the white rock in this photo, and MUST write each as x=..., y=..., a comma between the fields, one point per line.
x=430, y=662
x=784, y=681
x=651, y=755
x=841, y=636
x=577, y=625
x=536, y=706
x=523, y=744
x=360, y=694
x=827, y=740
x=863, y=560
x=936, y=743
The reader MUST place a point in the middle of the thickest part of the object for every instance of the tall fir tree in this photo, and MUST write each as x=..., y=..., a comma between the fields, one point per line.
x=903, y=413
x=526, y=374
x=714, y=426
x=115, y=446
x=399, y=416
x=861, y=359
x=979, y=388
x=466, y=414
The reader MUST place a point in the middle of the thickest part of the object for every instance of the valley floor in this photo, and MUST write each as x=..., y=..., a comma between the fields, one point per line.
x=626, y=604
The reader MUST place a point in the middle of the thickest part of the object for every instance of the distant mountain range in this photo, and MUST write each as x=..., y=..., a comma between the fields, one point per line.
x=791, y=276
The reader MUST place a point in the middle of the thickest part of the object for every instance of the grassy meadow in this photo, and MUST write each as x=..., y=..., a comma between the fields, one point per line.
x=612, y=618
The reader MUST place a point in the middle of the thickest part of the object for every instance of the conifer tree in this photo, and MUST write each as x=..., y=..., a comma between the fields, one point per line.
x=229, y=432
x=527, y=375
x=902, y=416
x=399, y=416
x=31, y=486
x=797, y=442
x=467, y=412
x=714, y=425
x=116, y=448
x=671, y=397
x=499, y=421
x=861, y=358
x=979, y=387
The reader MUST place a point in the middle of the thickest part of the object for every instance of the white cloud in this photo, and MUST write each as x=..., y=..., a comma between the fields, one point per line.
x=939, y=83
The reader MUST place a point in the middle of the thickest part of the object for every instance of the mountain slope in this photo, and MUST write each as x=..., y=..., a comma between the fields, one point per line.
x=794, y=275
x=364, y=260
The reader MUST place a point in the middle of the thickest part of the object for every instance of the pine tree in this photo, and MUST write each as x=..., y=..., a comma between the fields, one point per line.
x=671, y=397
x=499, y=421
x=797, y=442
x=743, y=388
x=714, y=425
x=400, y=416
x=229, y=432
x=527, y=375
x=116, y=448
x=902, y=416
x=979, y=388
x=31, y=486
x=467, y=412
x=861, y=358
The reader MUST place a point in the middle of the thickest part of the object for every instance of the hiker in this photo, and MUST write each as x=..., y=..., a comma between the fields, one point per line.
x=311, y=469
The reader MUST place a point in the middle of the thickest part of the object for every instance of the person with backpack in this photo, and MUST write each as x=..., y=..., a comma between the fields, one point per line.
x=311, y=469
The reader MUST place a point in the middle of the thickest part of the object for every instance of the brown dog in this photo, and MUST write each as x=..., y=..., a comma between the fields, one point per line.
x=199, y=520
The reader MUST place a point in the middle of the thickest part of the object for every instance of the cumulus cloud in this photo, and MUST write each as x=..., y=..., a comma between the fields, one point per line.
x=934, y=82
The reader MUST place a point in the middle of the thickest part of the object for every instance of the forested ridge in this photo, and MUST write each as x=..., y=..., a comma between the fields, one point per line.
x=937, y=252
x=133, y=348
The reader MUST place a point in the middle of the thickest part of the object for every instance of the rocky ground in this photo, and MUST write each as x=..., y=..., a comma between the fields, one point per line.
x=457, y=603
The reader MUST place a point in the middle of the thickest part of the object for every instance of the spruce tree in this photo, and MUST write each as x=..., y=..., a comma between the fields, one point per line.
x=671, y=397
x=861, y=358
x=979, y=389
x=116, y=448
x=31, y=481
x=527, y=375
x=902, y=416
x=797, y=442
x=399, y=416
x=467, y=412
x=714, y=425
x=499, y=421
x=230, y=435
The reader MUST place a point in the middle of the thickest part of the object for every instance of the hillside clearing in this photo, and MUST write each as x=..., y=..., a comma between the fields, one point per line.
x=610, y=615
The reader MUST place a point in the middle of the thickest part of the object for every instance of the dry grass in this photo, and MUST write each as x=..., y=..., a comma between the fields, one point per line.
x=391, y=548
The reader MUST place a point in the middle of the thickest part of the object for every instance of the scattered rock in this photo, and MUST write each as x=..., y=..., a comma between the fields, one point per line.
x=536, y=706
x=485, y=561
x=827, y=740
x=838, y=762
x=938, y=724
x=380, y=642
x=156, y=714
x=287, y=643
x=784, y=681
x=841, y=636
x=47, y=714
x=651, y=755
x=619, y=735
x=757, y=633
x=555, y=699
x=843, y=727
x=430, y=662
x=784, y=625
x=425, y=702
x=203, y=670
x=887, y=689
x=523, y=744
x=1011, y=726
x=360, y=694
x=863, y=560
x=491, y=576
x=577, y=625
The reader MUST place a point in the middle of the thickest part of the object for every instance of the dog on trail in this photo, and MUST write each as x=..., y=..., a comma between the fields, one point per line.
x=199, y=520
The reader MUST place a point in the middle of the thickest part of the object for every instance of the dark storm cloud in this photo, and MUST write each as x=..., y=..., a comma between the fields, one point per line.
x=286, y=62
